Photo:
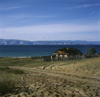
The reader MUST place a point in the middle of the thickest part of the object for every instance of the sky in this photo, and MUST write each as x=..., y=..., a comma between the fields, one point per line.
x=40, y=20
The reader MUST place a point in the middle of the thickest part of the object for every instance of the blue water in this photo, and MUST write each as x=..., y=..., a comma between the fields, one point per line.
x=39, y=50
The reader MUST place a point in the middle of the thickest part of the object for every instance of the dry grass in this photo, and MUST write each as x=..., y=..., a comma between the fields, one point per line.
x=90, y=66
x=10, y=81
x=87, y=66
x=7, y=86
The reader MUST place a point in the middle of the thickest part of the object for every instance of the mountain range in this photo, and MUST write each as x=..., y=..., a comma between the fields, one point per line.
x=58, y=42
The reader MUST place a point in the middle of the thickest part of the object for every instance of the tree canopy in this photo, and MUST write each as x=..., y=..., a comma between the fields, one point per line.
x=92, y=51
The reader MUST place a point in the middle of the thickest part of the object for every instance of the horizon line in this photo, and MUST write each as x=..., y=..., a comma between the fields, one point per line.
x=49, y=40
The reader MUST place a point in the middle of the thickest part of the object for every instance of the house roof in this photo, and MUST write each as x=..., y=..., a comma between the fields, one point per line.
x=70, y=51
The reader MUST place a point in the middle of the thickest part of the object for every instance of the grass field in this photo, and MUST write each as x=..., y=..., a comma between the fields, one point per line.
x=13, y=79
x=89, y=66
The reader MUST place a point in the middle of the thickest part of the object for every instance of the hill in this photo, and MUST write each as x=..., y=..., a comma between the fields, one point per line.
x=58, y=42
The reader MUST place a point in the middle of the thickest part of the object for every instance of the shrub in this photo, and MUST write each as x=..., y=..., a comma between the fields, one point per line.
x=12, y=70
x=7, y=86
x=4, y=68
x=87, y=52
x=16, y=71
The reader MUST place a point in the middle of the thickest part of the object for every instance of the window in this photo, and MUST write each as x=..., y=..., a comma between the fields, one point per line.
x=61, y=56
x=56, y=55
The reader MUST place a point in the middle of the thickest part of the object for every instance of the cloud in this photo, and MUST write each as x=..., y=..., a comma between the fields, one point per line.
x=84, y=6
x=92, y=13
x=24, y=16
x=53, y=28
x=11, y=8
x=52, y=32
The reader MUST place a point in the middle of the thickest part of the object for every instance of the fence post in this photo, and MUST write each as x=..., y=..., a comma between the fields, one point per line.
x=82, y=57
x=51, y=59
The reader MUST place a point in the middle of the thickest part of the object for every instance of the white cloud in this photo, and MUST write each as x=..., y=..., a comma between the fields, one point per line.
x=84, y=6
x=92, y=13
x=51, y=32
x=15, y=7
x=23, y=16
x=54, y=28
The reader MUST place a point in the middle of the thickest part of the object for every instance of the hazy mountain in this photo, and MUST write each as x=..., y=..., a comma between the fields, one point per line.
x=62, y=42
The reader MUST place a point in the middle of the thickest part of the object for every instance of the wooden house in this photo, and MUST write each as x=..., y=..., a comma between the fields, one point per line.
x=67, y=53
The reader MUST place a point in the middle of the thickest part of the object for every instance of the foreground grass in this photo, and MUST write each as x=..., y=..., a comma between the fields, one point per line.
x=11, y=78
x=7, y=86
x=8, y=82
x=11, y=70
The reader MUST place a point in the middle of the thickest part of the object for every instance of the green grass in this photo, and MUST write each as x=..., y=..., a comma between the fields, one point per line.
x=15, y=71
x=7, y=86
x=7, y=79
x=26, y=62
x=4, y=68
x=11, y=70
x=10, y=79
x=8, y=75
x=18, y=61
x=31, y=62
x=89, y=64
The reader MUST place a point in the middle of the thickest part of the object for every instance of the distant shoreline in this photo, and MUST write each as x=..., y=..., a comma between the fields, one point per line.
x=47, y=42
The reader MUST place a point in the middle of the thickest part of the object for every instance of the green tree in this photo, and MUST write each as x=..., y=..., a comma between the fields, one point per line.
x=87, y=52
x=92, y=51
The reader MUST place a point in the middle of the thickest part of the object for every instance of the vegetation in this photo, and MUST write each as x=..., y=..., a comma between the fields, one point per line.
x=92, y=51
x=87, y=52
x=7, y=86
x=12, y=70
x=26, y=62
x=10, y=77
x=10, y=82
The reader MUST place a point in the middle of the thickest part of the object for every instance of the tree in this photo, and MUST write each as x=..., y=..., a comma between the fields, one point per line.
x=87, y=52
x=92, y=51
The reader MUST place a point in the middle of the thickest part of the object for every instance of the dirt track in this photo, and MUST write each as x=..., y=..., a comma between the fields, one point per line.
x=47, y=83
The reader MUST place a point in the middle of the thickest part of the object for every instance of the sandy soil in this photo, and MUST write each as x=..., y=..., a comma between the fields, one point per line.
x=47, y=83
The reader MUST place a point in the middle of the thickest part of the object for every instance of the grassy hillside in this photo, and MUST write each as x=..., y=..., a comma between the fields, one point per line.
x=89, y=66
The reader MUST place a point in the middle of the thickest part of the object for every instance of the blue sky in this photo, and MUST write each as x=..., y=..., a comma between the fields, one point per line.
x=50, y=19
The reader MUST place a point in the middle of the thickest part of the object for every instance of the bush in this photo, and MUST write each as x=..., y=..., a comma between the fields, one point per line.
x=16, y=71
x=87, y=52
x=4, y=68
x=12, y=70
x=7, y=86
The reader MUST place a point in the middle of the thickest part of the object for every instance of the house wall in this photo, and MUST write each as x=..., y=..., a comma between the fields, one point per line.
x=61, y=53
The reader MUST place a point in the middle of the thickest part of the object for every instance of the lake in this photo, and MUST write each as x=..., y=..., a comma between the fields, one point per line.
x=39, y=50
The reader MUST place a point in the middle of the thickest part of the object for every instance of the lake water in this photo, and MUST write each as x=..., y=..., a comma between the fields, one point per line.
x=39, y=50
